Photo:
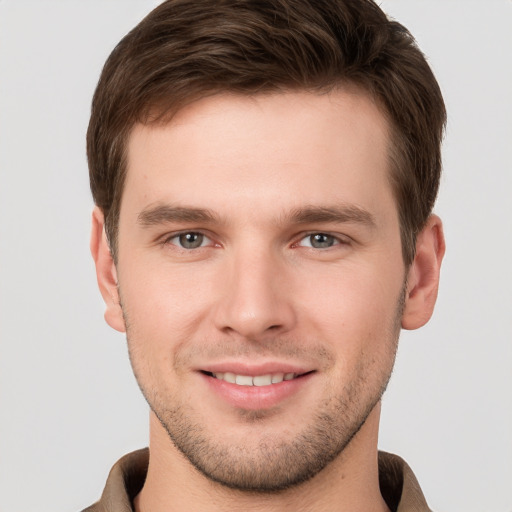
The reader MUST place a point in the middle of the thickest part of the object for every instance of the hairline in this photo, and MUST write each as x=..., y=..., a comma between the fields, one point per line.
x=151, y=115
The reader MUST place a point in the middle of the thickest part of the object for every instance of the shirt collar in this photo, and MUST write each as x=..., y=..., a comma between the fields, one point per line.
x=398, y=485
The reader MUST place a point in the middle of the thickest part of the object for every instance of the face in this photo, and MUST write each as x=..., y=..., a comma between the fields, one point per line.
x=261, y=279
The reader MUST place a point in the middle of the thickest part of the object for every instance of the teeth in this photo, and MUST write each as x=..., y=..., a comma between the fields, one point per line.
x=259, y=380
x=262, y=380
x=243, y=380
x=228, y=377
x=277, y=378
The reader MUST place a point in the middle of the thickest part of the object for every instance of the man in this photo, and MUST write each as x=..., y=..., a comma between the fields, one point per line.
x=264, y=175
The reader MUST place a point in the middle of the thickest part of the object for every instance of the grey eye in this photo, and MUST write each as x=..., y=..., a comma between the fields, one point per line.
x=191, y=240
x=321, y=241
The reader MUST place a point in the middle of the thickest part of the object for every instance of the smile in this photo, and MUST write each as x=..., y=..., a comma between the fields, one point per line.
x=257, y=380
x=262, y=389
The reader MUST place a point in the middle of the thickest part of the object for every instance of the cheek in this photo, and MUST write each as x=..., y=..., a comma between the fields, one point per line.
x=350, y=300
x=163, y=301
x=356, y=315
x=158, y=319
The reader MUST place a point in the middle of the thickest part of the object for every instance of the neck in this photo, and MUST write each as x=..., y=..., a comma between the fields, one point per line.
x=349, y=483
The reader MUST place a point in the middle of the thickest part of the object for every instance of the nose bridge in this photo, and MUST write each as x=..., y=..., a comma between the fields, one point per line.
x=255, y=298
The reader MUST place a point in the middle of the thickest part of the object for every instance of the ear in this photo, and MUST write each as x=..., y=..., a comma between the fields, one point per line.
x=423, y=275
x=106, y=272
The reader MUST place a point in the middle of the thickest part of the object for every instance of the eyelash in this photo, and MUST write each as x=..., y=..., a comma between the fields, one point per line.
x=168, y=240
x=336, y=240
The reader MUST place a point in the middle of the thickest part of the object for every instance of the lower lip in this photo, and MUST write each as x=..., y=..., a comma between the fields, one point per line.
x=254, y=398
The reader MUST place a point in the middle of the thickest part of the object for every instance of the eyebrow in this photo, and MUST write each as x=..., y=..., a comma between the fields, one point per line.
x=162, y=213
x=337, y=214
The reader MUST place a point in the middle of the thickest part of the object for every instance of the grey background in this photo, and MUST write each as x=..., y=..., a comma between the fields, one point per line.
x=69, y=406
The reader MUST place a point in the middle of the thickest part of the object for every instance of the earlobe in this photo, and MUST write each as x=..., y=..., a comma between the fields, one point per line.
x=423, y=275
x=106, y=272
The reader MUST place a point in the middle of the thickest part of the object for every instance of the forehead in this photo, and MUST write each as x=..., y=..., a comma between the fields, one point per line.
x=264, y=152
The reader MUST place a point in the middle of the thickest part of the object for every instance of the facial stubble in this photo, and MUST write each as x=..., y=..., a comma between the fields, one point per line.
x=278, y=462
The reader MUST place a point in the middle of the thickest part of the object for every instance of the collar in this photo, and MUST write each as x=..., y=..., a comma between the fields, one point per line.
x=398, y=485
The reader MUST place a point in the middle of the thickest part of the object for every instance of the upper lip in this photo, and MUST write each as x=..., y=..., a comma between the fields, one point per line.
x=252, y=369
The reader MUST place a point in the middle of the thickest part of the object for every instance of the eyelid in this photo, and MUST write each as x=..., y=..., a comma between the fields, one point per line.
x=340, y=239
x=168, y=237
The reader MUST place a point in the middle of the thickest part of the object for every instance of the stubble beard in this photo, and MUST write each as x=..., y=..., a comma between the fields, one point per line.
x=276, y=463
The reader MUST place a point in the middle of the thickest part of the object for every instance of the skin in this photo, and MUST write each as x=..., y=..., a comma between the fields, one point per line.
x=260, y=294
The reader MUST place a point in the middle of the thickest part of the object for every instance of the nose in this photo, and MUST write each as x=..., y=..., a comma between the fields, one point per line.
x=256, y=298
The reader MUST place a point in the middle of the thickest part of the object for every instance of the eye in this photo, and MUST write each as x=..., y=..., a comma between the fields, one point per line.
x=319, y=241
x=189, y=240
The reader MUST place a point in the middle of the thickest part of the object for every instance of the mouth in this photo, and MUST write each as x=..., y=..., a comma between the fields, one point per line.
x=268, y=379
x=256, y=388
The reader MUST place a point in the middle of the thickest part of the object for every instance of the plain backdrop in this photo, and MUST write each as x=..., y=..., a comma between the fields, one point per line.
x=69, y=406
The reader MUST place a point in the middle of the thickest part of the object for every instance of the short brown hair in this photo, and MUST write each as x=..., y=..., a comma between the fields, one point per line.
x=188, y=49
